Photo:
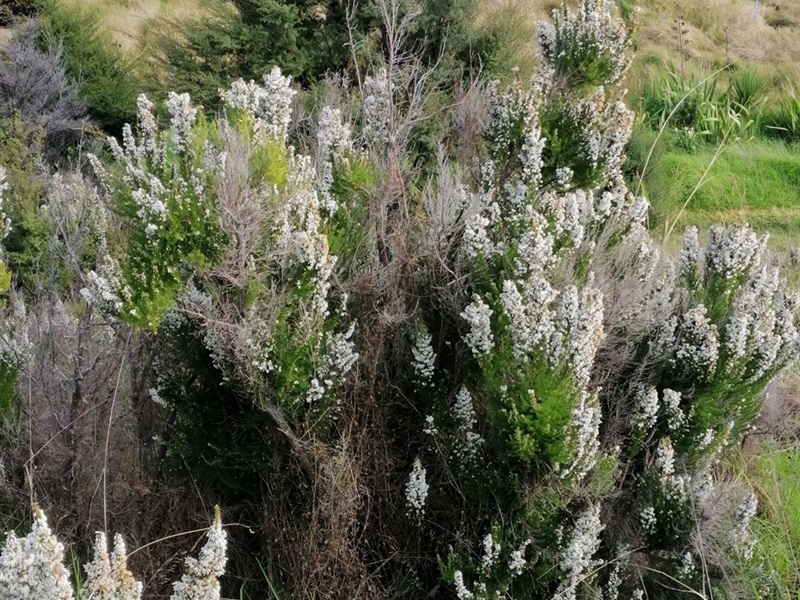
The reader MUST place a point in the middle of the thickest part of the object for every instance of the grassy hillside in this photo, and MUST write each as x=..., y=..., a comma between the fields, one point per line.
x=714, y=32
x=757, y=183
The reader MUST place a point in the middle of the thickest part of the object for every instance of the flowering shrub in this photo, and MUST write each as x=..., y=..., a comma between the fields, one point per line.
x=494, y=375
x=161, y=187
x=33, y=567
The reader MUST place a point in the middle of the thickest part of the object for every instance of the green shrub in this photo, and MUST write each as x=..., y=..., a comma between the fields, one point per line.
x=109, y=82
x=25, y=247
x=308, y=39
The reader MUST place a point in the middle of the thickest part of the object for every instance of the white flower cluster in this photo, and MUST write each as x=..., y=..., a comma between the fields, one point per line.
x=491, y=552
x=491, y=556
x=733, y=251
x=584, y=436
x=468, y=442
x=339, y=358
x=579, y=330
x=333, y=145
x=531, y=320
x=535, y=248
x=577, y=558
x=568, y=326
x=106, y=289
x=741, y=536
x=462, y=592
x=424, y=358
x=698, y=349
x=705, y=439
x=648, y=519
x=665, y=458
x=605, y=129
x=333, y=135
x=299, y=224
x=477, y=239
x=675, y=487
x=532, y=149
x=110, y=579
x=570, y=213
x=158, y=198
x=5, y=222
x=416, y=491
x=672, y=407
x=479, y=338
x=615, y=577
x=430, y=426
x=32, y=568
x=376, y=108
x=689, y=257
x=517, y=562
x=761, y=335
x=619, y=123
x=270, y=105
x=201, y=580
x=182, y=116
x=687, y=567
x=258, y=342
x=511, y=109
x=588, y=32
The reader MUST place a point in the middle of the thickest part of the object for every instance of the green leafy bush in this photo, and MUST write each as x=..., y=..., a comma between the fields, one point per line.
x=309, y=39
x=109, y=83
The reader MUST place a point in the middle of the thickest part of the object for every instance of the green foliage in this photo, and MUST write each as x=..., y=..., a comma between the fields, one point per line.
x=756, y=182
x=309, y=38
x=748, y=88
x=749, y=106
x=8, y=380
x=109, y=81
x=25, y=247
x=776, y=572
x=319, y=324
x=782, y=121
x=169, y=215
x=5, y=279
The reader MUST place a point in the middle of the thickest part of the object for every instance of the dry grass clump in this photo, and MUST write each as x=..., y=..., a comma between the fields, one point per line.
x=127, y=20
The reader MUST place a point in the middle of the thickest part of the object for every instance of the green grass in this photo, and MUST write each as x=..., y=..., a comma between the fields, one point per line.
x=775, y=475
x=756, y=182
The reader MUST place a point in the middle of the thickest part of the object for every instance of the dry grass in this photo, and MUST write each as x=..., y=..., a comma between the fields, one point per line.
x=716, y=32
x=127, y=19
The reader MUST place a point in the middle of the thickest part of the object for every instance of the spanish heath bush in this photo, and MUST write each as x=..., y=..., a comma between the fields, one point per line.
x=33, y=567
x=483, y=372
